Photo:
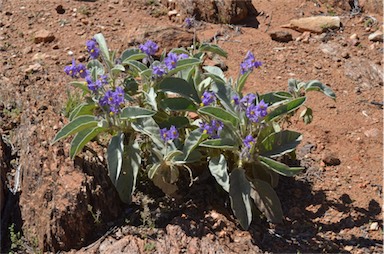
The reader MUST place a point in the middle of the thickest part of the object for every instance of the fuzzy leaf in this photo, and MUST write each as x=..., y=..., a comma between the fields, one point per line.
x=178, y=86
x=280, y=143
x=82, y=138
x=102, y=46
x=239, y=191
x=82, y=109
x=78, y=124
x=214, y=49
x=266, y=200
x=133, y=112
x=149, y=127
x=191, y=142
x=285, y=108
x=178, y=104
x=225, y=144
x=132, y=54
x=218, y=167
x=220, y=114
x=316, y=85
x=115, y=152
x=279, y=167
x=126, y=180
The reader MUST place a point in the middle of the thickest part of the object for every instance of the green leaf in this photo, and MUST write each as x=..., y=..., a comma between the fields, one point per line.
x=285, y=108
x=266, y=200
x=259, y=171
x=280, y=143
x=241, y=82
x=115, y=152
x=132, y=54
x=178, y=104
x=82, y=85
x=225, y=94
x=133, y=112
x=102, y=46
x=179, y=51
x=164, y=177
x=279, y=167
x=97, y=67
x=274, y=97
x=172, y=154
x=220, y=114
x=150, y=98
x=218, y=167
x=191, y=142
x=315, y=85
x=78, y=124
x=178, y=86
x=217, y=73
x=82, y=109
x=239, y=191
x=307, y=116
x=126, y=181
x=82, y=138
x=184, y=64
x=149, y=127
x=117, y=69
x=136, y=66
x=225, y=144
x=213, y=48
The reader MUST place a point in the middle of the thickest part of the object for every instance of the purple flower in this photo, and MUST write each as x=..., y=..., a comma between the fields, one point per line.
x=212, y=129
x=247, y=100
x=159, y=70
x=170, y=61
x=82, y=70
x=96, y=85
x=169, y=135
x=71, y=70
x=207, y=98
x=262, y=108
x=248, y=141
x=189, y=22
x=236, y=100
x=113, y=100
x=252, y=113
x=249, y=63
x=182, y=56
x=149, y=47
x=92, y=48
x=104, y=79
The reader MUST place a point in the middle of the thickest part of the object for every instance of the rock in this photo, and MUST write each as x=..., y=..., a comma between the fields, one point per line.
x=317, y=24
x=167, y=37
x=58, y=193
x=172, y=13
x=363, y=71
x=372, y=133
x=43, y=36
x=304, y=37
x=27, y=50
x=348, y=248
x=60, y=9
x=374, y=226
x=372, y=6
x=345, y=55
x=281, y=36
x=376, y=36
x=329, y=48
x=33, y=68
x=330, y=159
x=225, y=11
x=39, y=56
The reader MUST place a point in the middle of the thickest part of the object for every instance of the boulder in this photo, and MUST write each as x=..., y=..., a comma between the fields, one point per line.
x=225, y=11
x=376, y=36
x=63, y=203
x=316, y=24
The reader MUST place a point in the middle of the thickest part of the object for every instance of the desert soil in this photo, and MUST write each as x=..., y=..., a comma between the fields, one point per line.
x=334, y=206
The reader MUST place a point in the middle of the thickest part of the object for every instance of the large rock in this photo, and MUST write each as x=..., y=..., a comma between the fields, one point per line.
x=316, y=24
x=43, y=36
x=63, y=202
x=225, y=11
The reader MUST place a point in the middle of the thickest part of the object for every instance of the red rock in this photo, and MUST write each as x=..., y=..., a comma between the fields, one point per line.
x=43, y=36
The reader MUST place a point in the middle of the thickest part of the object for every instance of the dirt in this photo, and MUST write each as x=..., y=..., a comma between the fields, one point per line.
x=334, y=206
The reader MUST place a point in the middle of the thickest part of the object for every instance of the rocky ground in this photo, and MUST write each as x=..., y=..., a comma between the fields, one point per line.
x=65, y=205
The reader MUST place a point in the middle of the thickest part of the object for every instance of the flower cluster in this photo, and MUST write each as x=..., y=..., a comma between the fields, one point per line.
x=254, y=112
x=92, y=48
x=249, y=63
x=149, y=47
x=212, y=128
x=113, y=100
x=169, y=135
x=95, y=85
x=170, y=62
x=74, y=70
x=207, y=98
